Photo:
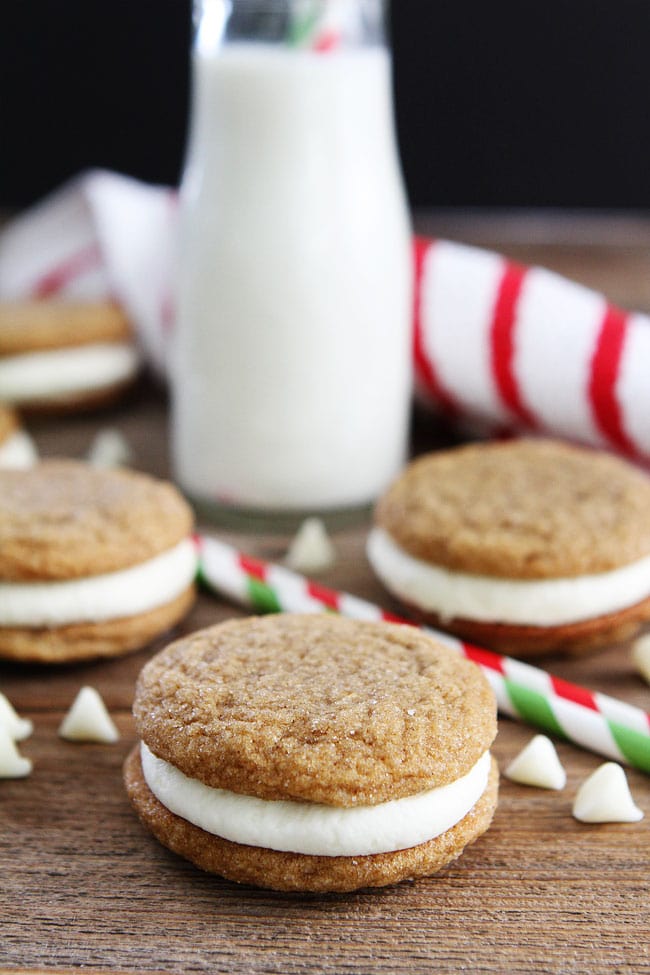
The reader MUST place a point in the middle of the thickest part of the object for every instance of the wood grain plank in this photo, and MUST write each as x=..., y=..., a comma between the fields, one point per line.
x=84, y=887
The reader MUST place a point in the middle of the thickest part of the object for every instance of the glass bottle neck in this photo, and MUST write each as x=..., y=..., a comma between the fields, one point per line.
x=316, y=25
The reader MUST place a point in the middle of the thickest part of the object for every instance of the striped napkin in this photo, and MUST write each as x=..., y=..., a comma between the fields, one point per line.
x=507, y=347
x=102, y=235
x=521, y=348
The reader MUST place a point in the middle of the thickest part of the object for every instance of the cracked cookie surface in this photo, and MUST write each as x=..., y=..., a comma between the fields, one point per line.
x=63, y=520
x=523, y=509
x=315, y=708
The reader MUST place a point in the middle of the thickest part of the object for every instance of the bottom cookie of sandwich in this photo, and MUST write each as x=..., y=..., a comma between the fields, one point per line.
x=280, y=870
x=90, y=641
x=519, y=640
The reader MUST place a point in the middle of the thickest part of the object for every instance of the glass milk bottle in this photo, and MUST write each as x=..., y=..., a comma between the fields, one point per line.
x=291, y=362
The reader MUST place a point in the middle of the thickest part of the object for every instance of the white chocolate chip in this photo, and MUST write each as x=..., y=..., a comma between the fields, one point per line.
x=88, y=719
x=12, y=763
x=605, y=798
x=17, y=728
x=641, y=656
x=109, y=449
x=18, y=451
x=538, y=764
x=311, y=549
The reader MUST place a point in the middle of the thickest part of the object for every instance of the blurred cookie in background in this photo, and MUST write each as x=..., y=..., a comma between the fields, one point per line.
x=65, y=356
x=93, y=563
x=527, y=547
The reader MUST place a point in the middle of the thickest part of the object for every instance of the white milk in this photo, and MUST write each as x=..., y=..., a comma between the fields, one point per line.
x=292, y=360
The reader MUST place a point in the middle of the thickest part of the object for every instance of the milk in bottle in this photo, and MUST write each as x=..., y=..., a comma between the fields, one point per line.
x=291, y=364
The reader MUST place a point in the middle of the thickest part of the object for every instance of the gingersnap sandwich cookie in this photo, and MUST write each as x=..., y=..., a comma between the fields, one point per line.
x=528, y=546
x=64, y=355
x=313, y=753
x=16, y=446
x=93, y=563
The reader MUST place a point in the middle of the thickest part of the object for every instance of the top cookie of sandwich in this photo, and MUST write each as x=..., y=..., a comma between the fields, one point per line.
x=315, y=708
x=523, y=509
x=64, y=519
x=40, y=326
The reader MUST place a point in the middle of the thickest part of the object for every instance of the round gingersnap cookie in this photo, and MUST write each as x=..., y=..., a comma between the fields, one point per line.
x=37, y=326
x=92, y=562
x=57, y=355
x=313, y=752
x=528, y=546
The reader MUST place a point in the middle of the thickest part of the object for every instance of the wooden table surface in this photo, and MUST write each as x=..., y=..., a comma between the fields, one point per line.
x=84, y=887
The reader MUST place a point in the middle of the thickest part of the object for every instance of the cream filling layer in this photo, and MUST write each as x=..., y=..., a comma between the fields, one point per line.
x=312, y=828
x=537, y=602
x=93, y=599
x=62, y=372
x=18, y=451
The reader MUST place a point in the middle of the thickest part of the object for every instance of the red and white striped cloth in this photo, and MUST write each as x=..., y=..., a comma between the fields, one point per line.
x=510, y=347
x=102, y=235
x=522, y=348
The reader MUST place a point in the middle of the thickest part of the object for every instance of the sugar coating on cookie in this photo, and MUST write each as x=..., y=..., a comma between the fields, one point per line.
x=537, y=765
x=88, y=719
x=277, y=696
x=604, y=797
x=341, y=753
x=64, y=353
x=493, y=508
x=64, y=520
x=92, y=562
x=527, y=544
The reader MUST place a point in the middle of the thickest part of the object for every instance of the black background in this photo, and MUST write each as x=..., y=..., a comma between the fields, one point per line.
x=498, y=103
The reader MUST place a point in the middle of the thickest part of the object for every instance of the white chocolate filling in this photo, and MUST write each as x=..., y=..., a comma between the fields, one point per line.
x=537, y=602
x=18, y=451
x=63, y=372
x=312, y=828
x=113, y=595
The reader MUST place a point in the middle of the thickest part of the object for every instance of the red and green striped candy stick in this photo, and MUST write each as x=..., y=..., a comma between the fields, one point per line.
x=597, y=722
